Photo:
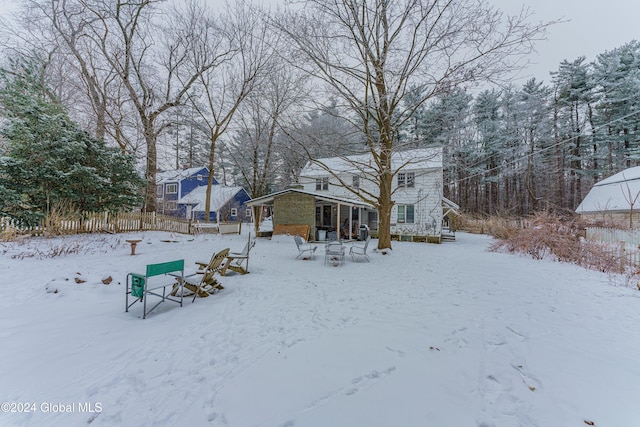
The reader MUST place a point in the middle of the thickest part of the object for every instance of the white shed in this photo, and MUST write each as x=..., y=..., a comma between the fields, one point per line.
x=615, y=197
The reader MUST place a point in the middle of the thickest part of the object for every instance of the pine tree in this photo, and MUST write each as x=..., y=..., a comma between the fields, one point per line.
x=574, y=102
x=491, y=143
x=535, y=118
x=48, y=160
x=617, y=73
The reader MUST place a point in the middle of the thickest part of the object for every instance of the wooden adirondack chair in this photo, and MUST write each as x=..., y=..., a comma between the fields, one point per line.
x=236, y=259
x=204, y=281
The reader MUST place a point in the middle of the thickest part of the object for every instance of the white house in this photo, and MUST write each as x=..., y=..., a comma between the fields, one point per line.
x=417, y=189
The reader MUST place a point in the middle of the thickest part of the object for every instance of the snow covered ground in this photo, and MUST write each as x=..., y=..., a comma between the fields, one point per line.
x=430, y=335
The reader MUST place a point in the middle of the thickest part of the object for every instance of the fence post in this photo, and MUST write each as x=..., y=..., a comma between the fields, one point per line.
x=623, y=244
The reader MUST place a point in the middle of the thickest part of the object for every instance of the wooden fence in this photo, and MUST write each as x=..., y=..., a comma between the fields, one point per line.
x=98, y=223
x=486, y=225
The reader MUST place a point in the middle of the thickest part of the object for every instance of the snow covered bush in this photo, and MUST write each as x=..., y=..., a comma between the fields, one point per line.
x=43, y=248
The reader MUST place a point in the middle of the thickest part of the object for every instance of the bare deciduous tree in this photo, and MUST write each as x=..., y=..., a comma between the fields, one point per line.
x=58, y=31
x=157, y=64
x=369, y=53
x=258, y=143
x=245, y=54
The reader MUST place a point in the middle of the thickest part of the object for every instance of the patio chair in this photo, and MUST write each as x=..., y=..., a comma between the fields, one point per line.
x=334, y=253
x=204, y=282
x=360, y=250
x=236, y=259
x=305, y=249
x=158, y=276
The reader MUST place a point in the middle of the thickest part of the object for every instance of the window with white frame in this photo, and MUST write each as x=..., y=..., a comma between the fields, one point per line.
x=322, y=184
x=234, y=211
x=199, y=177
x=247, y=213
x=159, y=190
x=405, y=214
x=171, y=206
x=171, y=188
x=355, y=183
x=406, y=179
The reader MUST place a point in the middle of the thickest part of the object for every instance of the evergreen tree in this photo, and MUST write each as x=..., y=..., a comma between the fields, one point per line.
x=48, y=160
x=446, y=123
x=617, y=74
x=491, y=141
x=535, y=121
x=575, y=98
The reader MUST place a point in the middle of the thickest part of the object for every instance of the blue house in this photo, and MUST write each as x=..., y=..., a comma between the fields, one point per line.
x=228, y=204
x=182, y=193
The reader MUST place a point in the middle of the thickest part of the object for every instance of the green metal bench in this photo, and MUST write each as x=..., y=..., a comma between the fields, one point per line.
x=158, y=276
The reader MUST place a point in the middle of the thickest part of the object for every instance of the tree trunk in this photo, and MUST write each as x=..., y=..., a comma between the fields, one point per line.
x=561, y=192
x=385, y=203
x=152, y=167
x=207, y=203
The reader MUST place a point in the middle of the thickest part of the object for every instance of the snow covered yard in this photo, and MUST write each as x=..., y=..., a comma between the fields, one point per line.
x=431, y=335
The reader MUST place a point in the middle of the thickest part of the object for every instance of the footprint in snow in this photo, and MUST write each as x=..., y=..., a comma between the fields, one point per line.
x=531, y=382
x=519, y=335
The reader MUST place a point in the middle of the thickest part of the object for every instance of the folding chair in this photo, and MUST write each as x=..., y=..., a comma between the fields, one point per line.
x=304, y=248
x=361, y=251
x=334, y=253
x=157, y=276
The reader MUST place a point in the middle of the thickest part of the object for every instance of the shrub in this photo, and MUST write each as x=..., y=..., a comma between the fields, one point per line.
x=560, y=237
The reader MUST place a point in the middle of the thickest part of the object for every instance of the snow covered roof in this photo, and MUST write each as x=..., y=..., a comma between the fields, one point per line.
x=320, y=196
x=450, y=204
x=423, y=158
x=220, y=196
x=178, y=174
x=614, y=193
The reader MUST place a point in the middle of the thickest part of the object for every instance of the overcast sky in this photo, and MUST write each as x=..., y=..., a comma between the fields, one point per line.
x=592, y=28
